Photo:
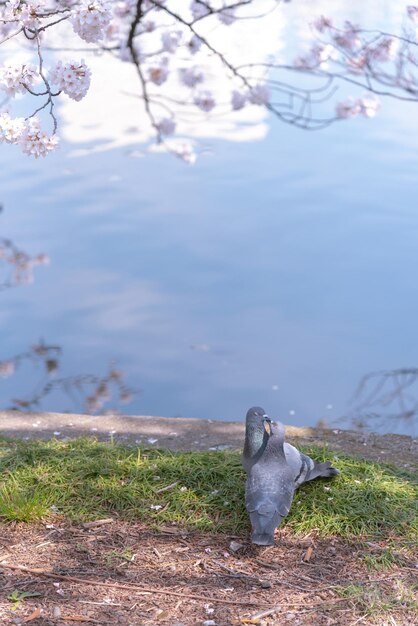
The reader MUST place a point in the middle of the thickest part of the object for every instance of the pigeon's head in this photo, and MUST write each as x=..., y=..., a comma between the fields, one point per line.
x=256, y=416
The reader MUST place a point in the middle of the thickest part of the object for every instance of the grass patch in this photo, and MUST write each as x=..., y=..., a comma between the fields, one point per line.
x=19, y=503
x=380, y=600
x=385, y=559
x=17, y=596
x=84, y=479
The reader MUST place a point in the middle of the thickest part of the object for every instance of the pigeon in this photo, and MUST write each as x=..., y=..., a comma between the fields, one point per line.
x=258, y=427
x=269, y=489
x=274, y=470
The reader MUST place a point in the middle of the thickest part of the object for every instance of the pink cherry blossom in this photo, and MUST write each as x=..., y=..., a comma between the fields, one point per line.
x=199, y=9
x=348, y=38
x=384, y=50
x=158, y=74
x=205, y=101
x=186, y=153
x=227, y=16
x=191, y=76
x=238, y=100
x=413, y=13
x=259, y=94
x=194, y=44
x=166, y=126
x=349, y=108
x=90, y=19
x=322, y=24
x=171, y=40
x=368, y=106
x=17, y=78
x=36, y=142
x=11, y=129
x=73, y=78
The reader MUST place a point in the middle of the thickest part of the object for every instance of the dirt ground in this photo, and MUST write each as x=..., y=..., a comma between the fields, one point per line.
x=121, y=574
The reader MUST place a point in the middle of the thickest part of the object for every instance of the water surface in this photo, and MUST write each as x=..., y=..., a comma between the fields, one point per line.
x=276, y=271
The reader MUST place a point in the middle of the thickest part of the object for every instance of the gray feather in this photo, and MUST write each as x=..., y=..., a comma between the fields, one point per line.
x=304, y=468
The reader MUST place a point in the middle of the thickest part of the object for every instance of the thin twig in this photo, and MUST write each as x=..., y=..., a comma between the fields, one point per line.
x=167, y=488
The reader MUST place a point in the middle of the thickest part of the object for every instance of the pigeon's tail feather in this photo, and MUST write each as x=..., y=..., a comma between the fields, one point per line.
x=324, y=470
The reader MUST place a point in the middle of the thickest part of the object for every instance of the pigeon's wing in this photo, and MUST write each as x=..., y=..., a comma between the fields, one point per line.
x=304, y=468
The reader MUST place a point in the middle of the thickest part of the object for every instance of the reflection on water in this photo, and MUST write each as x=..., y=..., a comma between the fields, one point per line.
x=386, y=397
x=17, y=265
x=275, y=272
x=84, y=393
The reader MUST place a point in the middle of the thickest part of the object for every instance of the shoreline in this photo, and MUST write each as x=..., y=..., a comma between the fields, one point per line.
x=179, y=433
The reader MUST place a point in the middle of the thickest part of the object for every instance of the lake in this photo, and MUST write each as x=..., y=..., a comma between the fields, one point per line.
x=278, y=270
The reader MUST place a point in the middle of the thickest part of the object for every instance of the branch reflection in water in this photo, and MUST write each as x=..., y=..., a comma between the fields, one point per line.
x=16, y=265
x=88, y=393
x=385, y=396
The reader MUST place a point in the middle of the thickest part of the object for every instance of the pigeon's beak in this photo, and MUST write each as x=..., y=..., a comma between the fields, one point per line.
x=267, y=424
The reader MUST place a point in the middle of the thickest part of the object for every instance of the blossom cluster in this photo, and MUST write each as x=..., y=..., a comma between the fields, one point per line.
x=259, y=94
x=16, y=79
x=166, y=126
x=95, y=21
x=27, y=134
x=25, y=14
x=73, y=78
x=317, y=56
x=347, y=46
x=90, y=19
x=366, y=106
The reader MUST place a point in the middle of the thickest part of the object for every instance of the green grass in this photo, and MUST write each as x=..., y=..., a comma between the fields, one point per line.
x=385, y=559
x=84, y=480
x=377, y=600
x=17, y=596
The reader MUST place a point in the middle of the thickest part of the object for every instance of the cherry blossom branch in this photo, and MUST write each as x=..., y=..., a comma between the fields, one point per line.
x=50, y=24
x=135, y=59
x=50, y=100
x=208, y=10
x=296, y=119
x=205, y=42
x=351, y=56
